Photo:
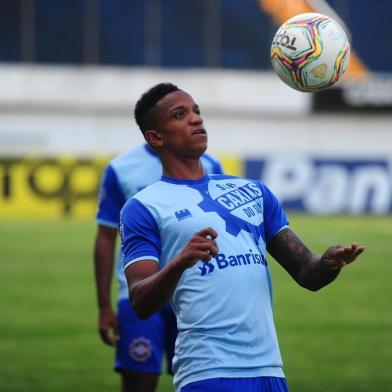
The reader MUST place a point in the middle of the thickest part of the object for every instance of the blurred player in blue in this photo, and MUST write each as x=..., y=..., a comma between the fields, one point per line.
x=139, y=343
x=200, y=241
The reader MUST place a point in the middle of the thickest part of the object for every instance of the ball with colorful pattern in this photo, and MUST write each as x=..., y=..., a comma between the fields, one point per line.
x=310, y=52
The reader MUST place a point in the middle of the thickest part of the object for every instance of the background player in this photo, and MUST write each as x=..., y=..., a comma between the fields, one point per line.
x=200, y=241
x=139, y=344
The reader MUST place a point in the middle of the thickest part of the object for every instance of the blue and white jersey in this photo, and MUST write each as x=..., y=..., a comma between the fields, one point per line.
x=126, y=175
x=224, y=307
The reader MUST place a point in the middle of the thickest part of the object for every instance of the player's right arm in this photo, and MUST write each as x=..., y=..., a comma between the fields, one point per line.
x=151, y=288
x=104, y=251
x=111, y=200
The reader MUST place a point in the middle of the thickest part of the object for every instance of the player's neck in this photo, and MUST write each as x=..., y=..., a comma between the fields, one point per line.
x=190, y=169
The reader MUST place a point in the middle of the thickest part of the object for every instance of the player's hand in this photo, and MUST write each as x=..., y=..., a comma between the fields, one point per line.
x=337, y=257
x=202, y=246
x=108, y=327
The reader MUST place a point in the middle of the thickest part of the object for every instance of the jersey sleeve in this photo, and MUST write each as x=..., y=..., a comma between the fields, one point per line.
x=111, y=199
x=275, y=218
x=140, y=238
x=215, y=166
x=218, y=168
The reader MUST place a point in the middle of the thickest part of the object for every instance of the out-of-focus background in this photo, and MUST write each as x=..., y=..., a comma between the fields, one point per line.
x=70, y=74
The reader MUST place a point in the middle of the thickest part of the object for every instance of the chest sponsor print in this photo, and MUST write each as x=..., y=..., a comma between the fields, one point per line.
x=222, y=261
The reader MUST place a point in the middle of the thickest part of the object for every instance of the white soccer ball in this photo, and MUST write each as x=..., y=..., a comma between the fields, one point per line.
x=310, y=52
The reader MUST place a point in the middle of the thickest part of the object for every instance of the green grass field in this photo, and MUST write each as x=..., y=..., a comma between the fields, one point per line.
x=338, y=339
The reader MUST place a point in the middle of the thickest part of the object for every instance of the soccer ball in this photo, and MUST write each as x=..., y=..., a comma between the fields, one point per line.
x=310, y=52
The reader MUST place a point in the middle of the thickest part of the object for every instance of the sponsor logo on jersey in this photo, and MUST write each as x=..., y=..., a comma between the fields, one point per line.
x=222, y=261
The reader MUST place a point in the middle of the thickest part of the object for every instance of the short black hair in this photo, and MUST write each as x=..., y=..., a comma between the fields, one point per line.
x=144, y=115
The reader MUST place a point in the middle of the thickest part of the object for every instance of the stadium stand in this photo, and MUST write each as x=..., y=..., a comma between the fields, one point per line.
x=171, y=33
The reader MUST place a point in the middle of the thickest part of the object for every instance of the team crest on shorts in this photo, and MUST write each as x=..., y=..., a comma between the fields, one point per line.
x=140, y=349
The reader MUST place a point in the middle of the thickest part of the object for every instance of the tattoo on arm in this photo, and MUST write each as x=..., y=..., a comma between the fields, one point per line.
x=299, y=261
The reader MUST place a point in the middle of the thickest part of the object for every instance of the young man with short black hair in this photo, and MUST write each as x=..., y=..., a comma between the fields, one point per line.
x=200, y=241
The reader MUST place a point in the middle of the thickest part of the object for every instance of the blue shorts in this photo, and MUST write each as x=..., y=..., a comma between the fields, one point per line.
x=251, y=384
x=142, y=342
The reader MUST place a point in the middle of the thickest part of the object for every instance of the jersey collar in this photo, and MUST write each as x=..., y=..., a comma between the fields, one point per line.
x=185, y=181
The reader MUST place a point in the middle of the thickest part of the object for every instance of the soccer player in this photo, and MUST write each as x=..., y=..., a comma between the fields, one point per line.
x=200, y=241
x=139, y=343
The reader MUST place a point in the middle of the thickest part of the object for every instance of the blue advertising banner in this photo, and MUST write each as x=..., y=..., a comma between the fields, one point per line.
x=327, y=186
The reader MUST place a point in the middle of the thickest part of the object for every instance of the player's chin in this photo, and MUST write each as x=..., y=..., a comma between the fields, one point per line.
x=199, y=147
x=201, y=150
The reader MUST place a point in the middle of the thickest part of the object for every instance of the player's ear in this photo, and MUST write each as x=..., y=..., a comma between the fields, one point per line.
x=153, y=138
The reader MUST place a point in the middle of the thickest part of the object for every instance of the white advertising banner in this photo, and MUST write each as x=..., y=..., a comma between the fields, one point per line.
x=327, y=186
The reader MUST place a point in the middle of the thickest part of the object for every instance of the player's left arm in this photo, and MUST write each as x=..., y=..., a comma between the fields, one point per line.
x=308, y=269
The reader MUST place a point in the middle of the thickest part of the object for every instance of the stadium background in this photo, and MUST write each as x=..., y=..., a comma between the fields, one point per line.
x=70, y=73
